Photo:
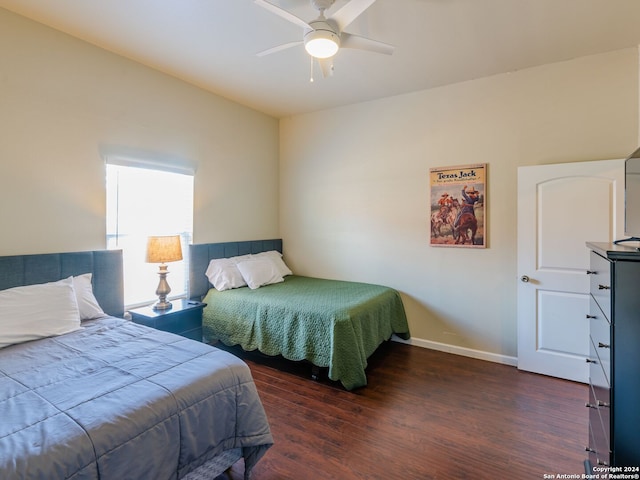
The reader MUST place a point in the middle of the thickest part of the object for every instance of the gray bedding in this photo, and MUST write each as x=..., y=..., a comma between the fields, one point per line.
x=117, y=400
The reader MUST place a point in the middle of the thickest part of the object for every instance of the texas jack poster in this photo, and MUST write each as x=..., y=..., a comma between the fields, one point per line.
x=458, y=200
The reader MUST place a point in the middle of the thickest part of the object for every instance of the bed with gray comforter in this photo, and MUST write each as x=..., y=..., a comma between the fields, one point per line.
x=116, y=400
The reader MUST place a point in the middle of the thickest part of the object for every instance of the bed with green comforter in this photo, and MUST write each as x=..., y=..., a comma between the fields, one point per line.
x=330, y=323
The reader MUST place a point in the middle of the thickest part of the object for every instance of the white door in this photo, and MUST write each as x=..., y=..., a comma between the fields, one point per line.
x=560, y=208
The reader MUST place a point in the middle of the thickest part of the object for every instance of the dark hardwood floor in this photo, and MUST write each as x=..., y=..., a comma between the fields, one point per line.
x=424, y=415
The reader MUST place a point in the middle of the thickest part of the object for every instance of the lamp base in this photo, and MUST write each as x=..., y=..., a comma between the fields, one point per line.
x=162, y=305
x=163, y=290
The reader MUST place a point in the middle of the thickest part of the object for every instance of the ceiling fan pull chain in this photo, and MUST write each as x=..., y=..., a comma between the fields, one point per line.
x=311, y=73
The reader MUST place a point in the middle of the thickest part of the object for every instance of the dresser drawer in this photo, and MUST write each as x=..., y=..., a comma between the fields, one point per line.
x=597, y=457
x=598, y=376
x=600, y=333
x=601, y=397
x=600, y=429
x=601, y=283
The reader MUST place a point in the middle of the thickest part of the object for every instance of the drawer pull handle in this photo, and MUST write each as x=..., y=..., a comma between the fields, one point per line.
x=603, y=287
x=591, y=361
x=590, y=405
x=591, y=272
x=603, y=345
x=591, y=316
x=603, y=404
x=602, y=462
x=589, y=449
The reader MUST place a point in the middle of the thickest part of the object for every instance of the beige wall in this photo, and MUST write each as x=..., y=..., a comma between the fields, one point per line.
x=352, y=181
x=62, y=99
x=354, y=186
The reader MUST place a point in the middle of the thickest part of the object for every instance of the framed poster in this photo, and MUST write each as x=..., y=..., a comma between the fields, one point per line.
x=458, y=206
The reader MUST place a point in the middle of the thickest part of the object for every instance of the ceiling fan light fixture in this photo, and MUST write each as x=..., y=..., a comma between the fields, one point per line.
x=321, y=43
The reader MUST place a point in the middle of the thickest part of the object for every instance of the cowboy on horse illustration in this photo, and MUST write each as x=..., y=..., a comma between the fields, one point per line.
x=445, y=200
x=470, y=199
x=466, y=218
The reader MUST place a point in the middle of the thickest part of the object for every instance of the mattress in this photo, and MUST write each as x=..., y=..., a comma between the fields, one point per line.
x=117, y=400
x=331, y=323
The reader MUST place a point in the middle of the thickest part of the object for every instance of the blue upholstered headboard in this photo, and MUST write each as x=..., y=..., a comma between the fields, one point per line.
x=201, y=254
x=104, y=265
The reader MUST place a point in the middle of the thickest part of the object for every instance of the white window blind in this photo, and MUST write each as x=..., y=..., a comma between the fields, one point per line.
x=142, y=202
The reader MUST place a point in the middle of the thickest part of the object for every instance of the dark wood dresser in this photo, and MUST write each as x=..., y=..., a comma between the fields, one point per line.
x=614, y=361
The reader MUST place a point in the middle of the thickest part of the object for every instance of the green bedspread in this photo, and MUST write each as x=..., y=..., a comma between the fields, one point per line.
x=330, y=323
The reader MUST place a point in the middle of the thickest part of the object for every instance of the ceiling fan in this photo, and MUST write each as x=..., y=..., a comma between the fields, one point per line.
x=323, y=37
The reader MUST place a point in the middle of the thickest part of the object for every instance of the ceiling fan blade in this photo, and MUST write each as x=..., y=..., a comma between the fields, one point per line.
x=348, y=40
x=326, y=65
x=350, y=12
x=279, y=48
x=282, y=13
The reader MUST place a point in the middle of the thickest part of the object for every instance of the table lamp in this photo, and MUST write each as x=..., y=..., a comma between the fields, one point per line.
x=163, y=250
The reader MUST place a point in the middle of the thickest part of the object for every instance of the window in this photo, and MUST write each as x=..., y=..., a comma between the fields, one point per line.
x=142, y=202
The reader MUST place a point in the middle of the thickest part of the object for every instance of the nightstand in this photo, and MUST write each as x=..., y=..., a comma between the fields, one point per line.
x=185, y=318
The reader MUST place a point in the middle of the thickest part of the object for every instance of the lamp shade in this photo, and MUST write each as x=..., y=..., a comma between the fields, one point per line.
x=164, y=249
x=322, y=41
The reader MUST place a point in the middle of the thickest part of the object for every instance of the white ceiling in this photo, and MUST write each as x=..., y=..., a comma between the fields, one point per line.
x=213, y=43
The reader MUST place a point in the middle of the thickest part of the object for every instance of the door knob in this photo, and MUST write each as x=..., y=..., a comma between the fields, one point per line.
x=524, y=279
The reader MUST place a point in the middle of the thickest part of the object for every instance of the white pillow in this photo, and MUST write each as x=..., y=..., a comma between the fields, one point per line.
x=259, y=272
x=223, y=274
x=87, y=303
x=38, y=311
x=276, y=258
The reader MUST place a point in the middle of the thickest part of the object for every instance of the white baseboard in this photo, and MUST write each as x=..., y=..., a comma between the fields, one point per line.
x=465, y=352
